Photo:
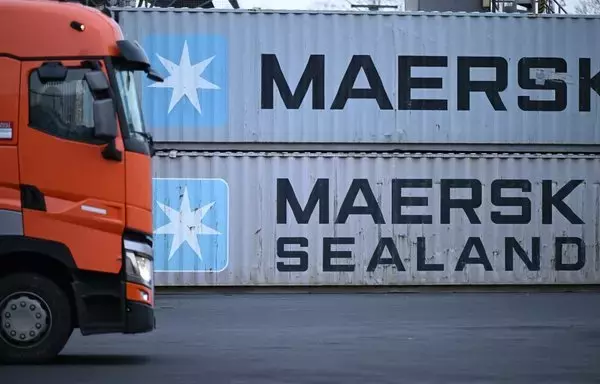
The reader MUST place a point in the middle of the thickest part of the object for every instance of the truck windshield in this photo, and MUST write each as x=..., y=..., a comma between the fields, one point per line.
x=129, y=98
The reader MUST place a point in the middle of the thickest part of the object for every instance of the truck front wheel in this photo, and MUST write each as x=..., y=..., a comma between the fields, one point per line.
x=35, y=317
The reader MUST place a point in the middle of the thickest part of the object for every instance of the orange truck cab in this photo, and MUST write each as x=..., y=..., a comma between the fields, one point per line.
x=75, y=180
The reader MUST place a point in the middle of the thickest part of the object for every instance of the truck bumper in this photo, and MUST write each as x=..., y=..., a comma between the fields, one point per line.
x=139, y=309
x=140, y=318
x=105, y=304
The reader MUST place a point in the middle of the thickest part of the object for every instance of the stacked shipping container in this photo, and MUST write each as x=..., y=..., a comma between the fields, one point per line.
x=370, y=148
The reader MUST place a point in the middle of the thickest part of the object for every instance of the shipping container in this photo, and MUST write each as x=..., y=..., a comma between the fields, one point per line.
x=249, y=219
x=237, y=78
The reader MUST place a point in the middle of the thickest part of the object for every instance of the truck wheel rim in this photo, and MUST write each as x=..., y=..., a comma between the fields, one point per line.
x=26, y=319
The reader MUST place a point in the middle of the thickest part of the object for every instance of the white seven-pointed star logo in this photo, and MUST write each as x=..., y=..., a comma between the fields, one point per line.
x=185, y=225
x=185, y=79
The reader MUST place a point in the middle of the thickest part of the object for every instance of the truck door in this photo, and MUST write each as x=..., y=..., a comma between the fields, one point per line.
x=73, y=187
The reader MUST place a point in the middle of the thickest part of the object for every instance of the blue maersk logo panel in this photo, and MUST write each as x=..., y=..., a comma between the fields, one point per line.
x=191, y=225
x=194, y=93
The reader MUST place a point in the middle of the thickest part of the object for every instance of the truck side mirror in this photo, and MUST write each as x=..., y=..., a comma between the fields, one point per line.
x=105, y=122
x=154, y=76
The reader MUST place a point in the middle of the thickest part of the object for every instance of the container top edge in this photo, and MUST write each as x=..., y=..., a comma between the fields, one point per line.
x=355, y=13
x=177, y=153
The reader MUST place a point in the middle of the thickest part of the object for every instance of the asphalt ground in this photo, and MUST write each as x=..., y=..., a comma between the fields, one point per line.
x=343, y=338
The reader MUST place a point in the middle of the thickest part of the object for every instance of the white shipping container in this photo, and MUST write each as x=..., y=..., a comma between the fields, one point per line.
x=237, y=78
x=245, y=219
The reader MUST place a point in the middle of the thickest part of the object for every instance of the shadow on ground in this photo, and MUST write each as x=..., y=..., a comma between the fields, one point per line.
x=92, y=360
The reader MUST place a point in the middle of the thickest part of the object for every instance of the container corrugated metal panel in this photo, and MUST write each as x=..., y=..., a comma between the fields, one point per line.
x=230, y=231
x=220, y=54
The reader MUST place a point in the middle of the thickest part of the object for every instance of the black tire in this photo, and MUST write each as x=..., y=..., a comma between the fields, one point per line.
x=58, y=308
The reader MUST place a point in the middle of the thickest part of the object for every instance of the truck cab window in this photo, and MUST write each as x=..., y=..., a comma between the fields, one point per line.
x=63, y=108
x=129, y=98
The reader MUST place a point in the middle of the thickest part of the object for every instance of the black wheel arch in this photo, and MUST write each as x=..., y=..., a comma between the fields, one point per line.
x=48, y=258
x=11, y=245
x=97, y=298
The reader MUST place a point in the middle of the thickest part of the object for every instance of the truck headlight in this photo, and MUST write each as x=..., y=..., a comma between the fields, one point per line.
x=138, y=262
x=139, y=266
